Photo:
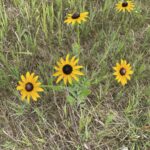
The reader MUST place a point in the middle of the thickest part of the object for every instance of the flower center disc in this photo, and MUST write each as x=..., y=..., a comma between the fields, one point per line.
x=29, y=87
x=76, y=15
x=122, y=71
x=67, y=69
x=124, y=4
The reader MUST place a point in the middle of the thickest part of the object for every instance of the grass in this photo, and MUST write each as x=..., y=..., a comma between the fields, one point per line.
x=97, y=112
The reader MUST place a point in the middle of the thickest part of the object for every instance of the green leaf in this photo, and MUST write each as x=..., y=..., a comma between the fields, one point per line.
x=70, y=100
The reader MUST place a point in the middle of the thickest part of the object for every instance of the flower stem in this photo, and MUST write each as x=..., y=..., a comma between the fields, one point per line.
x=78, y=38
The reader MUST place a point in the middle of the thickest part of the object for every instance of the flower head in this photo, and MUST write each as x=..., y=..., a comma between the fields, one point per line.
x=125, y=6
x=67, y=70
x=76, y=18
x=29, y=87
x=123, y=72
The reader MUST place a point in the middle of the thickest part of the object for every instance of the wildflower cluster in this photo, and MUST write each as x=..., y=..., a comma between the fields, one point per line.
x=68, y=69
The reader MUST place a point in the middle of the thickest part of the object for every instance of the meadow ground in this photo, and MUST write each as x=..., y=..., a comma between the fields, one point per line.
x=96, y=113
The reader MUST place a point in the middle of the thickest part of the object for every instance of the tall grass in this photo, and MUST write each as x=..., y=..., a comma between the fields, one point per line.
x=97, y=112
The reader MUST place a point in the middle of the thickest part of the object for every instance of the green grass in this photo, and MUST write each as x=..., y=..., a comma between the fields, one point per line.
x=95, y=114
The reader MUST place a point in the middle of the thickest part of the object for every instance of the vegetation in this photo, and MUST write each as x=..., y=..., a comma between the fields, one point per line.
x=96, y=113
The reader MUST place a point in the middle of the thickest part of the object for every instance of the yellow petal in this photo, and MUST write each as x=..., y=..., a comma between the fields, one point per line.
x=62, y=61
x=31, y=77
x=69, y=19
x=39, y=89
x=67, y=58
x=78, y=67
x=130, y=72
x=115, y=68
x=73, y=59
x=65, y=80
x=59, y=64
x=27, y=75
x=23, y=97
x=23, y=78
x=118, y=78
x=57, y=74
x=73, y=76
x=56, y=68
x=28, y=98
x=125, y=62
x=35, y=96
x=122, y=61
x=128, y=77
x=78, y=73
x=129, y=66
x=20, y=83
x=35, y=78
x=124, y=81
x=117, y=65
x=69, y=79
x=115, y=73
x=20, y=88
x=85, y=13
x=59, y=79
x=73, y=22
x=37, y=84
x=76, y=61
x=79, y=21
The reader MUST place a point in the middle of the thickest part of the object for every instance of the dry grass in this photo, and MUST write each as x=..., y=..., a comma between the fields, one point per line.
x=96, y=113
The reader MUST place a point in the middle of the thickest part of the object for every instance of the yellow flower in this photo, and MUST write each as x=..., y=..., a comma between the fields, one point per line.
x=76, y=18
x=67, y=70
x=29, y=87
x=125, y=6
x=123, y=72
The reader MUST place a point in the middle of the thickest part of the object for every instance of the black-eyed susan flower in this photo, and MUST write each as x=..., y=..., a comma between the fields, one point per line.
x=76, y=18
x=123, y=72
x=67, y=70
x=29, y=87
x=125, y=6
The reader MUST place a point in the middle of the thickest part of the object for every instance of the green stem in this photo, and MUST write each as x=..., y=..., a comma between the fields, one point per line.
x=78, y=35
x=78, y=38
x=51, y=86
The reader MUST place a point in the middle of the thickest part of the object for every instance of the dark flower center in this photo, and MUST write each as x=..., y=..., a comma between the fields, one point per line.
x=124, y=4
x=67, y=69
x=122, y=71
x=75, y=15
x=29, y=87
